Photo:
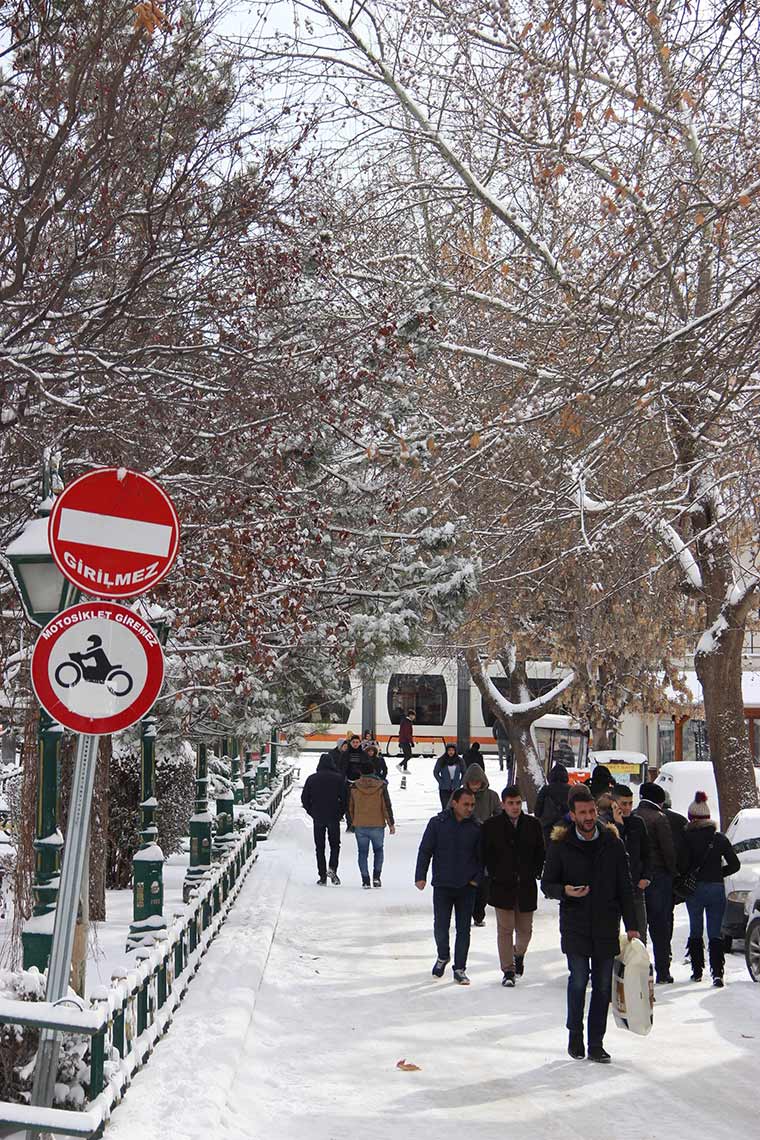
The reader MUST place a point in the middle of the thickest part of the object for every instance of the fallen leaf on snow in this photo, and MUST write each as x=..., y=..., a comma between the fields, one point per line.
x=407, y=1066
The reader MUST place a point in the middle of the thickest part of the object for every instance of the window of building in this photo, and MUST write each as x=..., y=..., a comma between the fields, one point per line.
x=423, y=692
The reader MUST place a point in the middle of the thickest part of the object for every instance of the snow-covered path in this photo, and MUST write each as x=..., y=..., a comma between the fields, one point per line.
x=310, y=996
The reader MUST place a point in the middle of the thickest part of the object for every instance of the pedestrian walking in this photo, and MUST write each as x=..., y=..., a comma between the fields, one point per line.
x=368, y=740
x=487, y=803
x=374, y=754
x=710, y=859
x=503, y=748
x=324, y=799
x=369, y=812
x=472, y=755
x=340, y=757
x=662, y=868
x=448, y=773
x=551, y=801
x=601, y=781
x=513, y=858
x=406, y=739
x=586, y=868
x=452, y=840
x=633, y=832
x=353, y=758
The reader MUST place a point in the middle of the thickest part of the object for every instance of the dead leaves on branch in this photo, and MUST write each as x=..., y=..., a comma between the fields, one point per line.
x=149, y=17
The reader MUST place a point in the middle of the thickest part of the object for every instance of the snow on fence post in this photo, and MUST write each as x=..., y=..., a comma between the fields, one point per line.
x=200, y=826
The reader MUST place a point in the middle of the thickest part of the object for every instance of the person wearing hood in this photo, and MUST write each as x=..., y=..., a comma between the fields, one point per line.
x=551, y=801
x=340, y=757
x=586, y=868
x=472, y=755
x=324, y=799
x=373, y=753
x=710, y=859
x=448, y=774
x=369, y=812
x=662, y=868
x=601, y=781
x=487, y=804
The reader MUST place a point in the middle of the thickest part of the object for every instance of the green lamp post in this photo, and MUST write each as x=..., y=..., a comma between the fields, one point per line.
x=43, y=592
x=249, y=776
x=200, y=826
x=238, y=787
x=148, y=862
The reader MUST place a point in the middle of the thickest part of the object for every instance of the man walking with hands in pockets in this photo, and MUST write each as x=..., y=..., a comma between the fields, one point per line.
x=587, y=870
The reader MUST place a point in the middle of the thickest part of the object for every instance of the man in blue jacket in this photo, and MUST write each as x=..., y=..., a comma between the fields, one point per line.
x=452, y=841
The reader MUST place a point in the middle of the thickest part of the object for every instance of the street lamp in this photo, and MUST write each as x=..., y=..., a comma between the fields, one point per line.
x=44, y=592
x=148, y=863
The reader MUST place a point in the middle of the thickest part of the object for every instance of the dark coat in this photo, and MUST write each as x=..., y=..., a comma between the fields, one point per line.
x=709, y=866
x=636, y=841
x=678, y=824
x=590, y=925
x=340, y=760
x=406, y=731
x=513, y=856
x=551, y=801
x=324, y=794
x=377, y=758
x=454, y=847
x=353, y=760
x=473, y=755
x=441, y=772
x=662, y=851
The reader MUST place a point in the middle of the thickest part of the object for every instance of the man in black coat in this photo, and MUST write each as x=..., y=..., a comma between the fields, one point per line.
x=452, y=841
x=587, y=870
x=633, y=832
x=324, y=797
x=551, y=801
x=513, y=856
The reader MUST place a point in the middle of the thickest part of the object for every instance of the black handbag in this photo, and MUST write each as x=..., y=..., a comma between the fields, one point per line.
x=684, y=886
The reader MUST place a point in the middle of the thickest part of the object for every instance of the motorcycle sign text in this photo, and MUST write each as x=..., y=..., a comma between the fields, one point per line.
x=97, y=668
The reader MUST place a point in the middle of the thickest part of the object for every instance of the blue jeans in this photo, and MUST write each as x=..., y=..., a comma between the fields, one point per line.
x=365, y=836
x=462, y=901
x=659, y=902
x=600, y=971
x=709, y=899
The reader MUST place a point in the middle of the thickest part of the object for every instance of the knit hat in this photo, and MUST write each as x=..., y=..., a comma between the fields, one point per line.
x=700, y=808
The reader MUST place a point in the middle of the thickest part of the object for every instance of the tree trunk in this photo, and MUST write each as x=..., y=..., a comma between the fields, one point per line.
x=720, y=674
x=529, y=772
x=600, y=738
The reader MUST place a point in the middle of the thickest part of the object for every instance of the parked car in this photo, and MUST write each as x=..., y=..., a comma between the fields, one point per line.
x=682, y=778
x=752, y=933
x=744, y=834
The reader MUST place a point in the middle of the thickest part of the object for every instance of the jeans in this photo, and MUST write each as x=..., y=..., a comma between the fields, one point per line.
x=659, y=903
x=461, y=900
x=332, y=831
x=445, y=797
x=406, y=750
x=508, y=924
x=710, y=899
x=365, y=836
x=600, y=970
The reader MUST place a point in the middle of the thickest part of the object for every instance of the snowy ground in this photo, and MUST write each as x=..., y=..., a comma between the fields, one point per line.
x=310, y=996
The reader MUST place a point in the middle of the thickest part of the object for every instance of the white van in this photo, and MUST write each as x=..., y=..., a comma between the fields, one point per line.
x=682, y=778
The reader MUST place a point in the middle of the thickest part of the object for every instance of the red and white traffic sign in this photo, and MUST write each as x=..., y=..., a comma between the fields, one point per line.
x=97, y=668
x=114, y=533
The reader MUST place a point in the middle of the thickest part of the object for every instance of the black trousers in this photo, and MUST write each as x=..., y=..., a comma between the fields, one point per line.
x=481, y=898
x=332, y=831
x=407, y=753
x=445, y=797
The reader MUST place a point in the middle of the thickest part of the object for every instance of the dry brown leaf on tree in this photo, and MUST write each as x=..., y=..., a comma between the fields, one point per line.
x=407, y=1066
x=148, y=16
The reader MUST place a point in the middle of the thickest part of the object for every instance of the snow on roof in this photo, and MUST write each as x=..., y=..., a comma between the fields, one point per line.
x=32, y=540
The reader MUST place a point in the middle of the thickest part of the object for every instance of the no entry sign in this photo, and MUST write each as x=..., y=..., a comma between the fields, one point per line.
x=114, y=533
x=97, y=668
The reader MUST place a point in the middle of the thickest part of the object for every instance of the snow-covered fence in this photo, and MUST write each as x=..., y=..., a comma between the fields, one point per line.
x=264, y=809
x=126, y=1019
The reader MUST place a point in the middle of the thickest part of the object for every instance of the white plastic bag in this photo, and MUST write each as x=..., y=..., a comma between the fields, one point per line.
x=633, y=988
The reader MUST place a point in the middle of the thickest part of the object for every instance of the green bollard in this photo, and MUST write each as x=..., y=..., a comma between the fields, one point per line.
x=37, y=935
x=148, y=863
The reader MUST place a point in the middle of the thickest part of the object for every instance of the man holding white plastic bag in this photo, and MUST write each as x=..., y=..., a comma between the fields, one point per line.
x=587, y=870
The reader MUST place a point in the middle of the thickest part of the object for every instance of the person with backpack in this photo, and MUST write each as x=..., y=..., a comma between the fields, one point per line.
x=324, y=799
x=711, y=858
x=448, y=774
x=551, y=801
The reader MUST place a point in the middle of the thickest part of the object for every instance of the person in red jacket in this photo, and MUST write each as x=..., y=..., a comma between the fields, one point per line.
x=406, y=739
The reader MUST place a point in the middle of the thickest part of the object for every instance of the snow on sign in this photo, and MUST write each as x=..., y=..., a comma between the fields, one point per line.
x=97, y=668
x=114, y=532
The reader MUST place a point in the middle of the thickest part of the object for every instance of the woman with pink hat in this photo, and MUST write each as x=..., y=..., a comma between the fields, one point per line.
x=711, y=858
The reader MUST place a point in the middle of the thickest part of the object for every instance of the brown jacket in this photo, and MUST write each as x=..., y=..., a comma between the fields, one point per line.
x=369, y=804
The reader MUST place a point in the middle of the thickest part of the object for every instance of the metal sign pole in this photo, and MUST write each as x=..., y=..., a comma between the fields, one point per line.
x=66, y=912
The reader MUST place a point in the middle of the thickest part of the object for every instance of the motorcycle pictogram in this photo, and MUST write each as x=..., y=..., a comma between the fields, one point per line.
x=94, y=667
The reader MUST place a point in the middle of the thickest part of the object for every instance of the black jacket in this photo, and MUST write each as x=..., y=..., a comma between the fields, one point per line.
x=352, y=760
x=324, y=794
x=513, y=856
x=551, y=801
x=709, y=867
x=381, y=768
x=454, y=847
x=636, y=841
x=678, y=824
x=590, y=925
x=662, y=851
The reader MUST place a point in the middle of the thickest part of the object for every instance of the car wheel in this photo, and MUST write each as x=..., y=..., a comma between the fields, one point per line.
x=752, y=949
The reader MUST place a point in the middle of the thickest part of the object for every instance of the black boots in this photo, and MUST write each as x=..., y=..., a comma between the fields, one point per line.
x=575, y=1046
x=717, y=961
x=696, y=949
